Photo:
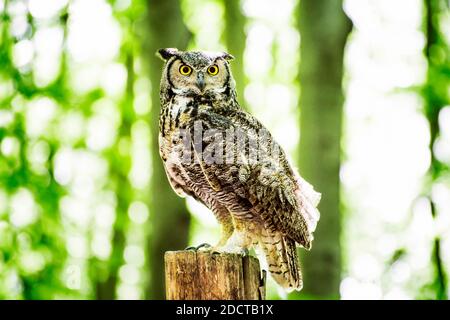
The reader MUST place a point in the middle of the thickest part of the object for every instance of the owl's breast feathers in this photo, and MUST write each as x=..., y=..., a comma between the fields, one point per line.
x=267, y=188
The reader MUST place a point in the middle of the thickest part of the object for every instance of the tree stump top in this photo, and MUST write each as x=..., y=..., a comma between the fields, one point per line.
x=202, y=275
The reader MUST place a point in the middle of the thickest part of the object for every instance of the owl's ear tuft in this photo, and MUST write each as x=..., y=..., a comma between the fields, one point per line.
x=166, y=53
x=227, y=56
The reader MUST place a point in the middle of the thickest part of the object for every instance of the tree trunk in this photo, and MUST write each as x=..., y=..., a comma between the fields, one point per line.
x=435, y=98
x=234, y=36
x=169, y=216
x=324, y=28
x=209, y=276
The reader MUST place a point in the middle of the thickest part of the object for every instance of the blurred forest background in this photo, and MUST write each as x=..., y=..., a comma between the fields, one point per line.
x=85, y=208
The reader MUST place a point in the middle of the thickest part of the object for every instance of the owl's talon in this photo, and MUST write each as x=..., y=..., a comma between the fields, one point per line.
x=201, y=246
x=245, y=252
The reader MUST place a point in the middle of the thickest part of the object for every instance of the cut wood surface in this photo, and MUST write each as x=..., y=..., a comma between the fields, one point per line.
x=203, y=275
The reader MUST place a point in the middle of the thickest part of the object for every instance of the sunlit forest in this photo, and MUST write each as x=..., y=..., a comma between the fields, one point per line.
x=357, y=92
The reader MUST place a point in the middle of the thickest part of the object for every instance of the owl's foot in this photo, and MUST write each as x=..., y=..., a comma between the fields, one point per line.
x=204, y=246
x=237, y=243
x=231, y=249
x=243, y=252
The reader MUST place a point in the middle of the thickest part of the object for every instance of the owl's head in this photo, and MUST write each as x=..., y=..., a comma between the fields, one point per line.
x=196, y=72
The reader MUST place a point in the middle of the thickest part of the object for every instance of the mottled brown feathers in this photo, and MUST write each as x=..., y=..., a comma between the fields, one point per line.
x=257, y=197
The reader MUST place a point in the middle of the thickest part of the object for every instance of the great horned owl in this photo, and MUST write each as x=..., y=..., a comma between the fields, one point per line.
x=222, y=156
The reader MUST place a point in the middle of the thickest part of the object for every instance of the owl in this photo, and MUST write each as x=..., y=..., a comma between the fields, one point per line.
x=222, y=156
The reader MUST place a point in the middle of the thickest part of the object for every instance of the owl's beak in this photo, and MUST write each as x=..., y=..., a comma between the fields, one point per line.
x=201, y=81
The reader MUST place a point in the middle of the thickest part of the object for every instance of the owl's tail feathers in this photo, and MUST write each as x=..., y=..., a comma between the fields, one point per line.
x=282, y=260
x=309, y=198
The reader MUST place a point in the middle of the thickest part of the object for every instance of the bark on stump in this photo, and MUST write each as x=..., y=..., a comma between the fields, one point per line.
x=204, y=275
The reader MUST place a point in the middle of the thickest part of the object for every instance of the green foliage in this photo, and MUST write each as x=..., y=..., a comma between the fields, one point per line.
x=436, y=96
x=31, y=254
x=79, y=164
x=37, y=259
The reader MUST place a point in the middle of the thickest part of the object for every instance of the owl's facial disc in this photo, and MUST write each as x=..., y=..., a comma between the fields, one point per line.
x=203, y=75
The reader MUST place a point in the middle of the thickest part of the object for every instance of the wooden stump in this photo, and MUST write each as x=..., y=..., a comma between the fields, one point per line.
x=204, y=275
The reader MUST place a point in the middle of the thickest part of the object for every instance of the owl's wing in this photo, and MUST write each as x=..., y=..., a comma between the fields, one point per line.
x=175, y=186
x=283, y=200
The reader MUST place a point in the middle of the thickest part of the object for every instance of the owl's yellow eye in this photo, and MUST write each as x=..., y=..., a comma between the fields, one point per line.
x=213, y=70
x=185, y=70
